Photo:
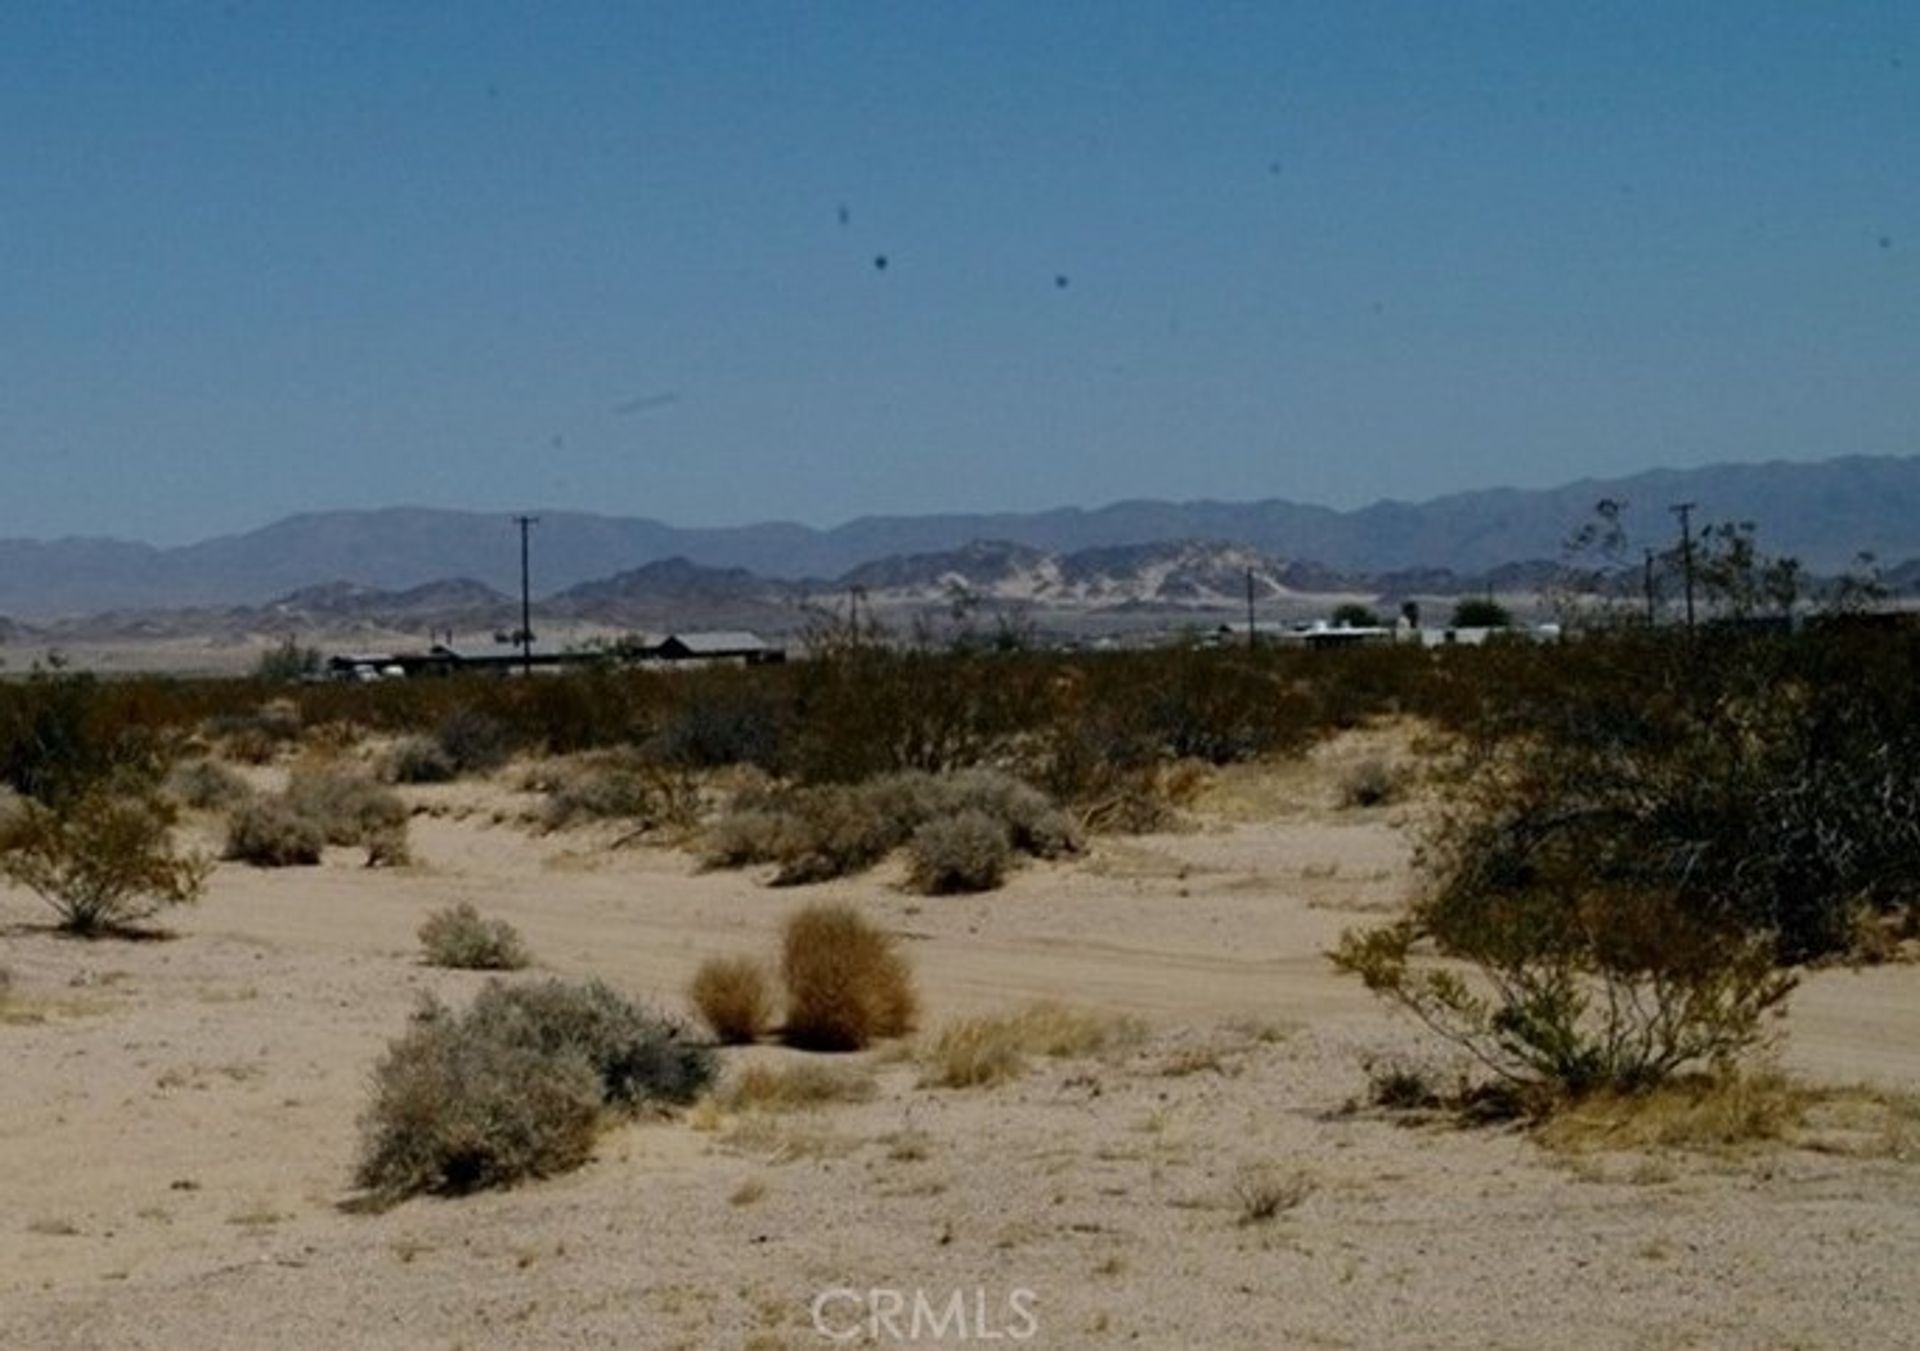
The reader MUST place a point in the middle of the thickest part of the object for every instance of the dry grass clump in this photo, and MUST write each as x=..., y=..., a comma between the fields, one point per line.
x=269, y=833
x=516, y=1086
x=734, y=997
x=1705, y=1113
x=207, y=785
x=795, y=1087
x=460, y=937
x=834, y=830
x=257, y=737
x=846, y=983
x=1372, y=782
x=1263, y=1192
x=977, y=1052
x=969, y=851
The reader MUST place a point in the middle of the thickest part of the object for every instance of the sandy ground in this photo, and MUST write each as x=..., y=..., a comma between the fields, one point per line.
x=177, y=1129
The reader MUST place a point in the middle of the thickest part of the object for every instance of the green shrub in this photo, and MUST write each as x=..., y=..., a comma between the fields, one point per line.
x=207, y=785
x=968, y=851
x=846, y=984
x=1592, y=992
x=460, y=937
x=103, y=860
x=734, y=998
x=516, y=1086
x=268, y=833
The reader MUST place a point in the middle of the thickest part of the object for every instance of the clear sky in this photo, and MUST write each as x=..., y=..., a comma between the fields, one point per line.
x=263, y=258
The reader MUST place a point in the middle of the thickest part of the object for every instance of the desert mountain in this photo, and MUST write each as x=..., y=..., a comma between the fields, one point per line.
x=1823, y=512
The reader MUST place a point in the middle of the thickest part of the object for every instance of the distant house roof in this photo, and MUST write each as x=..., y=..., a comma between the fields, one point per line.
x=722, y=643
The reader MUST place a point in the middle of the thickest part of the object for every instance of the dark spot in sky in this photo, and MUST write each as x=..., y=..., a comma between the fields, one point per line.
x=1379, y=307
x=558, y=441
x=1060, y=280
x=879, y=262
x=641, y=403
x=493, y=90
x=1273, y=167
x=845, y=216
x=1886, y=241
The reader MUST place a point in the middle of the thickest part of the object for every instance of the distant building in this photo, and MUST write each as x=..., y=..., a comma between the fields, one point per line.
x=725, y=645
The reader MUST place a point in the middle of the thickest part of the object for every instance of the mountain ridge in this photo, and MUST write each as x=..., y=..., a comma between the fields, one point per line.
x=1821, y=511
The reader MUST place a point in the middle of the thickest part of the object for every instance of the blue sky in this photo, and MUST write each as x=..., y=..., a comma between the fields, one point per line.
x=265, y=258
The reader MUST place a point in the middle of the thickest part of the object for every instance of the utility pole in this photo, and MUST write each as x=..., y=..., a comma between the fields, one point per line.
x=1646, y=582
x=1250, y=635
x=1684, y=510
x=526, y=597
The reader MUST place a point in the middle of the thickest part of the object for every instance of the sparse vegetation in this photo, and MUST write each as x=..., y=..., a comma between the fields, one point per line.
x=516, y=1086
x=103, y=860
x=460, y=937
x=734, y=997
x=795, y=1087
x=207, y=785
x=348, y=807
x=1576, y=995
x=846, y=984
x=268, y=833
x=968, y=851
x=624, y=787
x=976, y=1052
x=816, y=834
x=1263, y=1192
x=419, y=759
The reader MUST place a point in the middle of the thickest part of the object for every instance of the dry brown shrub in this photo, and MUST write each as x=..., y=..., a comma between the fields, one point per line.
x=846, y=983
x=734, y=997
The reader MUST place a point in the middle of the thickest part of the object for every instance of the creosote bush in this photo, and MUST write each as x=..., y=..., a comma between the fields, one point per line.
x=846, y=983
x=516, y=1086
x=968, y=851
x=460, y=937
x=734, y=997
x=618, y=787
x=1600, y=992
x=104, y=860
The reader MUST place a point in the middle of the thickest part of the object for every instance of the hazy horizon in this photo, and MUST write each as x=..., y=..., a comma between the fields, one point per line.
x=629, y=259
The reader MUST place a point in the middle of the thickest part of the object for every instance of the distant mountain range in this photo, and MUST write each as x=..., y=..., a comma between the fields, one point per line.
x=1824, y=513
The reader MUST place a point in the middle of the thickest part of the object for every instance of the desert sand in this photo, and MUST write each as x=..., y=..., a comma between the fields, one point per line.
x=178, y=1126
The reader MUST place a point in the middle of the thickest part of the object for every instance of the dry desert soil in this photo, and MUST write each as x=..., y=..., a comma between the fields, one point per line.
x=178, y=1127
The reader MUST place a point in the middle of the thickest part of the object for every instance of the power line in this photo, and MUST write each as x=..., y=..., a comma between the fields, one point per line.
x=1684, y=510
x=526, y=597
